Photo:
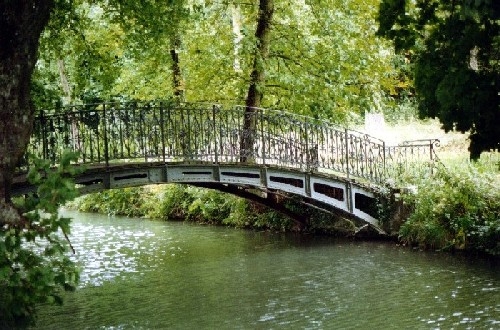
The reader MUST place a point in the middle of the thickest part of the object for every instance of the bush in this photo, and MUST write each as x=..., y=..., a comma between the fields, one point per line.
x=126, y=201
x=181, y=202
x=209, y=206
x=458, y=208
x=34, y=265
x=174, y=201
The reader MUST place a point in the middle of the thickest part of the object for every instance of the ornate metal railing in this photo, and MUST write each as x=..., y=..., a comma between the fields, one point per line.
x=166, y=131
x=412, y=157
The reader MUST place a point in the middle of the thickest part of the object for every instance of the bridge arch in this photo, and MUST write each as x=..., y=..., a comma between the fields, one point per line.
x=336, y=195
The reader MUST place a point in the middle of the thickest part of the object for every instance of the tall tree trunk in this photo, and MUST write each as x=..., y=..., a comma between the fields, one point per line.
x=257, y=79
x=237, y=35
x=175, y=44
x=68, y=99
x=21, y=24
x=64, y=81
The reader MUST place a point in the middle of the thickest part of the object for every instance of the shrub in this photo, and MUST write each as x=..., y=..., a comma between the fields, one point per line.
x=209, y=206
x=126, y=201
x=174, y=201
x=34, y=265
x=458, y=208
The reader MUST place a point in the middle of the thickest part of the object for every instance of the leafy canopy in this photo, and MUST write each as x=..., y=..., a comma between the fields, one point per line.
x=325, y=59
x=455, y=50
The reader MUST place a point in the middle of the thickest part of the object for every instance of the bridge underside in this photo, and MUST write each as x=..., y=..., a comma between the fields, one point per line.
x=333, y=194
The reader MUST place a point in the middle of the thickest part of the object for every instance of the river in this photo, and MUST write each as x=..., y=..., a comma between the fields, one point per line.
x=141, y=274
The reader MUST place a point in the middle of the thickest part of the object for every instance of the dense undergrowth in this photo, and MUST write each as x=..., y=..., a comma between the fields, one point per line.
x=180, y=202
x=456, y=208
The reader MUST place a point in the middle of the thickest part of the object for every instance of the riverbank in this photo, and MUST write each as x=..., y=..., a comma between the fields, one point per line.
x=458, y=208
x=455, y=209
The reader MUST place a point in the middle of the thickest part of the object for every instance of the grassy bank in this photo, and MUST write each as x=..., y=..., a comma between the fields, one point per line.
x=457, y=208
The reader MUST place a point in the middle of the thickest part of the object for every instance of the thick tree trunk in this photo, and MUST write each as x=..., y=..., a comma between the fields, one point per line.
x=257, y=79
x=21, y=23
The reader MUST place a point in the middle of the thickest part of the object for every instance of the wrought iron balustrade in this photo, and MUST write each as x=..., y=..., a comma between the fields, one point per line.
x=162, y=131
x=412, y=156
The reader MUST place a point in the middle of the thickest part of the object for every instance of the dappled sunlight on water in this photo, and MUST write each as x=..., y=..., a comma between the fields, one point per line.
x=139, y=274
x=111, y=247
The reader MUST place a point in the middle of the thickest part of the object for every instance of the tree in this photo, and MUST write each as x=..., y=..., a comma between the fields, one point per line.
x=21, y=23
x=153, y=33
x=455, y=48
x=326, y=60
x=80, y=55
x=34, y=265
x=257, y=78
x=29, y=273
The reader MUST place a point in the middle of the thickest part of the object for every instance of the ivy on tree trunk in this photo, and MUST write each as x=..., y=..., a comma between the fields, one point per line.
x=257, y=79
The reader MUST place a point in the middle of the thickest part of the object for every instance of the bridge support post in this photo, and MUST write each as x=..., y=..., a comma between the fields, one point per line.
x=308, y=184
x=214, y=113
x=106, y=182
x=349, y=197
x=162, y=132
x=216, y=173
x=105, y=136
x=347, y=153
x=263, y=177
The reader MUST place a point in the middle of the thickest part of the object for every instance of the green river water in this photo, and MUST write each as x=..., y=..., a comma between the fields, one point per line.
x=140, y=274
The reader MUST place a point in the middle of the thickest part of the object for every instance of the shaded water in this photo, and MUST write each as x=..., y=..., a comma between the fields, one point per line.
x=139, y=274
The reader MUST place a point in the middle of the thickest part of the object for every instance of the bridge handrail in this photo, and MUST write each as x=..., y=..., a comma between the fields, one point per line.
x=166, y=130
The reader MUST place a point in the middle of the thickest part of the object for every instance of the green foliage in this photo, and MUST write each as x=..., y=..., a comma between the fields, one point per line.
x=127, y=201
x=174, y=202
x=454, y=50
x=240, y=215
x=269, y=219
x=325, y=59
x=459, y=208
x=34, y=265
x=208, y=206
x=181, y=202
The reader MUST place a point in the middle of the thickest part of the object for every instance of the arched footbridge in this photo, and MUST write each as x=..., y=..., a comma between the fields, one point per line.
x=248, y=152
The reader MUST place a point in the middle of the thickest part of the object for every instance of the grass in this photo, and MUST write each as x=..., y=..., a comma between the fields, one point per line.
x=453, y=146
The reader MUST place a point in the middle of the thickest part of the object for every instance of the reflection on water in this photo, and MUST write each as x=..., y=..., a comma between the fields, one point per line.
x=139, y=274
x=106, y=249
